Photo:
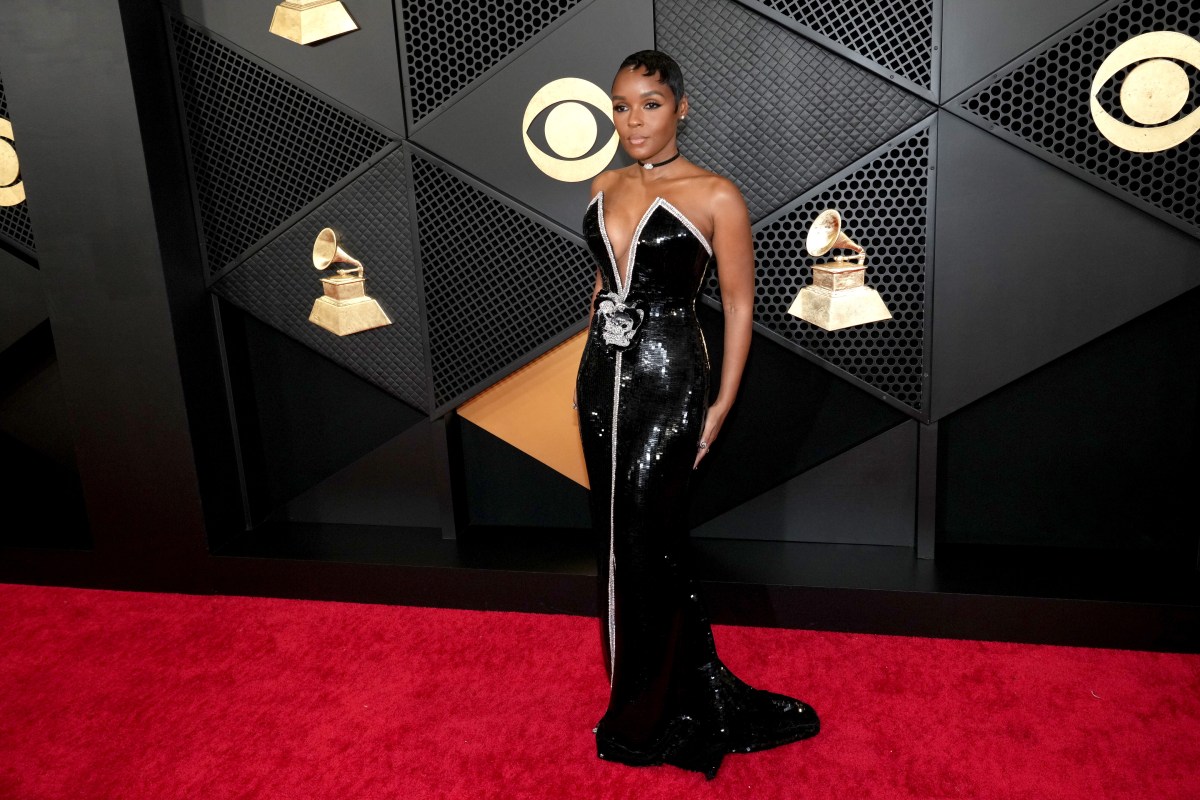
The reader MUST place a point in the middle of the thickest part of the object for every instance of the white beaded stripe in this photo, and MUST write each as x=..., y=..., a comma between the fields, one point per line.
x=612, y=530
x=687, y=224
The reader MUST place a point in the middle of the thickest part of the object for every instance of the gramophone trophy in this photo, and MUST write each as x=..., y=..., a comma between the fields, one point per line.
x=345, y=307
x=837, y=298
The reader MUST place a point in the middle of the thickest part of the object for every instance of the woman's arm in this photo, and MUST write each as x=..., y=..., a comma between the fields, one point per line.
x=733, y=247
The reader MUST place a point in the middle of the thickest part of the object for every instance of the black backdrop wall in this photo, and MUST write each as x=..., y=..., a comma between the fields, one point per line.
x=1022, y=434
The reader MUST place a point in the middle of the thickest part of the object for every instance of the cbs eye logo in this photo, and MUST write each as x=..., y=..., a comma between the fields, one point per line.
x=1154, y=92
x=562, y=130
x=12, y=189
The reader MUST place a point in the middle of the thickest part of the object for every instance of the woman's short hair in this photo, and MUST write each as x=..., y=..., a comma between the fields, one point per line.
x=655, y=62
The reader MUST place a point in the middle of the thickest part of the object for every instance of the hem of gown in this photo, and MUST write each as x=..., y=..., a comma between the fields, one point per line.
x=686, y=743
x=692, y=755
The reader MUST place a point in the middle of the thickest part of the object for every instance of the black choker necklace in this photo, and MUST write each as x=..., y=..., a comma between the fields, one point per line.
x=661, y=163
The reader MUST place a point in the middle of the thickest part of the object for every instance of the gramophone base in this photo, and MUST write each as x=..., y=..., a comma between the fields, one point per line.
x=348, y=316
x=835, y=310
x=309, y=21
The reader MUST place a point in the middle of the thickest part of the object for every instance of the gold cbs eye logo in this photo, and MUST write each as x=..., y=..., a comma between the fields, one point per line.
x=12, y=188
x=566, y=114
x=1153, y=92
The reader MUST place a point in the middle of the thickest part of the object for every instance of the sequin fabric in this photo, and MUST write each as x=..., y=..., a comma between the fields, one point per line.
x=641, y=413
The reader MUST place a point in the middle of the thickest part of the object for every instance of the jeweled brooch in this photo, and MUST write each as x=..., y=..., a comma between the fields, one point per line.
x=621, y=320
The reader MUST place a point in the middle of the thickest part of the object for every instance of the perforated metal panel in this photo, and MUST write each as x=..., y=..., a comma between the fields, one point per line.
x=884, y=206
x=262, y=148
x=896, y=34
x=14, y=220
x=771, y=109
x=448, y=45
x=278, y=283
x=498, y=285
x=1044, y=103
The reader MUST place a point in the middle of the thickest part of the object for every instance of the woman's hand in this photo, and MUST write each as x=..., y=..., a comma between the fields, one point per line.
x=712, y=426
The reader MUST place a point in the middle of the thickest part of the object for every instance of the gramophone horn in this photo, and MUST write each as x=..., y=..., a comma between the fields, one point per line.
x=826, y=234
x=326, y=251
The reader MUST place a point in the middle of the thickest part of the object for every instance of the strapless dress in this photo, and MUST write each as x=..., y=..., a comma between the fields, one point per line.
x=642, y=393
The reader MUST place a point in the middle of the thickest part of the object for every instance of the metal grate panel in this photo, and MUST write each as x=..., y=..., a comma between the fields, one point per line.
x=449, y=45
x=262, y=148
x=897, y=35
x=771, y=109
x=14, y=220
x=884, y=206
x=497, y=284
x=1044, y=102
x=278, y=284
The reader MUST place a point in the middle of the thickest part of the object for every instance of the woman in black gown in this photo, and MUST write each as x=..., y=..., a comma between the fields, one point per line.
x=642, y=394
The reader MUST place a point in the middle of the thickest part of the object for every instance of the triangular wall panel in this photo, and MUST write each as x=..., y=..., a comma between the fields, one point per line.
x=278, y=283
x=776, y=132
x=449, y=45
x=22, y=303
x=1042, y=104
x=531, y=409
x=1012, y=26
x=262, y=148
x=866, y=495
x=393, y=485
x=481, y=132
x=499, y=285
x=1033, y=263
x=899, y=36
x=884, y=202
x=790, y=416
x=360, y=68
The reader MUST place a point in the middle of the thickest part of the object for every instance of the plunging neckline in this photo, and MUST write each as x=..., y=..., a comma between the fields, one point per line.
x=624, y=281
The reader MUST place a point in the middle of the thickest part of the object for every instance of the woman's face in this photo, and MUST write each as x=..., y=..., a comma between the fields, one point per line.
x=645, y=115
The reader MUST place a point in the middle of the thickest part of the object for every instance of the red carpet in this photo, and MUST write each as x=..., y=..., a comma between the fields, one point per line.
x=124, y=696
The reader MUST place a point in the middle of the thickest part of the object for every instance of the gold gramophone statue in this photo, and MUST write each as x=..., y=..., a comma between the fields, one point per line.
x=837, y=298
x=345, y=307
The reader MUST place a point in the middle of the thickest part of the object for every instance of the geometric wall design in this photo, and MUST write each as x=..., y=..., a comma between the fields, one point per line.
x=892, y=224
x=825, y=502
x=529, y=410
x=896, y=35
x=15, y=227
x=337, y=68
x=476, y=256
x=1043, y=104
x=449, y=45
x=803, y=128
x=22, y=303
x=479, y=131
x=262, y=148
x=1008, y=29
x=1031, y=263
x=278, y=284
x=498, y=285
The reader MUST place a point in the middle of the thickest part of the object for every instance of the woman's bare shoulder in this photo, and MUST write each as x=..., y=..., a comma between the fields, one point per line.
x=715, y=192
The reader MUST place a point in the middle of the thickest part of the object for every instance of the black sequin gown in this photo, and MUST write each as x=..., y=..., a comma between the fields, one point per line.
x=642, y=391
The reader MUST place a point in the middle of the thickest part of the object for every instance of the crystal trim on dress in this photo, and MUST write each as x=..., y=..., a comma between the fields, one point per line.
x=612, y=532
x=623, y=285
x=687, y=223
